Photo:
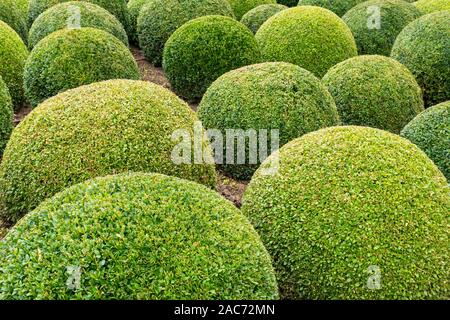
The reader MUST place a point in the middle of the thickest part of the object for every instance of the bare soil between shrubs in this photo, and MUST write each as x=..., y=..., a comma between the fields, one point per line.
x=228, y=187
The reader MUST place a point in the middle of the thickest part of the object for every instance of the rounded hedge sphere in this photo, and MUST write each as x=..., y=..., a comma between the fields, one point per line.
x=6, y=115
x=257, y=16
x=340, y=7
x=430, y=6
x=159, y=19
x=13, y=54
x=11, y=14
x=96, y=130
x=311, y=37
x=205, y=48
x=430, y=131
x=57, y=18
x=241, y=7
x=348, y=204
x=423, y=47
x=371, y=38
x=136, y=236
x=134, y=8
x=374, y=91
x=70, y=58
x=116, y=7
x=268, y=96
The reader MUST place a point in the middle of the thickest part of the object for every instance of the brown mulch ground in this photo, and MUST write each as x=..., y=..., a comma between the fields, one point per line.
x=228, y=187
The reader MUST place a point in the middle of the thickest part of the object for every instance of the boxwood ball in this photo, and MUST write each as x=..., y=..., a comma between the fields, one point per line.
x=311, y=37
x=95, y=130
x=340, y=7
x=430, y=131
x=69, y=58
x=91, y=15
x=423, y=47
x=374, y=91
x=117, y=7
x=11, y=14
x=158, y=19
x=135, y=236
x=378, y=36
x=354, y=213
x=430, y=6
x=205, y=48
x=241, y=7
x=6, y=115
x=254, y=18
x=13, y=54
x=268, y=96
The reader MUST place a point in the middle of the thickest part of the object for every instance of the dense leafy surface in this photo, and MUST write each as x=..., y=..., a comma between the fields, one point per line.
x=69, y=58
x=430, y=130
x=272, y=95
x=377, y=38
x=159, y=19
x=205, y=48
x=13, y=54
x=254, y=18
x=340, y=7
x=423, y=47
x=349, y=200
x=91, y=15
x=430, y=6
x=95, y=130
x=136, y=236
x=13, y=16
x=6, y=115
x=311, y=37
x=374, y=91
x=241, y=7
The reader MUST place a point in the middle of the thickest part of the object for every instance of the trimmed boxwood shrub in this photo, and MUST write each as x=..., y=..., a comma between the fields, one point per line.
x=13, y=54
x=374, y=91
x=423, y=48
x=12, y=15
x=159, y=19
x=430, y=131
x=6, y=115
x=117, y=7
x=95, y=130
x=241, y=7
x=430, y=6
x=69, y=58
x=23, y=6
x=136, y=236
x=92, y=15
x=134, y=8
x=340, y=7
x=394, y=16
x=271, y=95
x=257, y=16
x=349, y=204
x=311, y=37
x=205, y=48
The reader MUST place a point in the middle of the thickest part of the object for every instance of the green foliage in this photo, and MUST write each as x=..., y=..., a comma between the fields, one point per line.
x=289, y=3
x=136, y=236
x=6, y=115
x=13, y=54
x=430, y=131
x=254, y=18
x=340, y=7
x=346, y=202
x=159, y=19
x=134, y=8
x=423, y=47
x=69, y=58
x=394, y=16
x=13, y=16
x=374, y=91
x=94, y=130
x=91, y=15
x=241, y=7
x=117, y=7
x=430, y=6
x=205, y=48
x=311, y=37
x=272, y=95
